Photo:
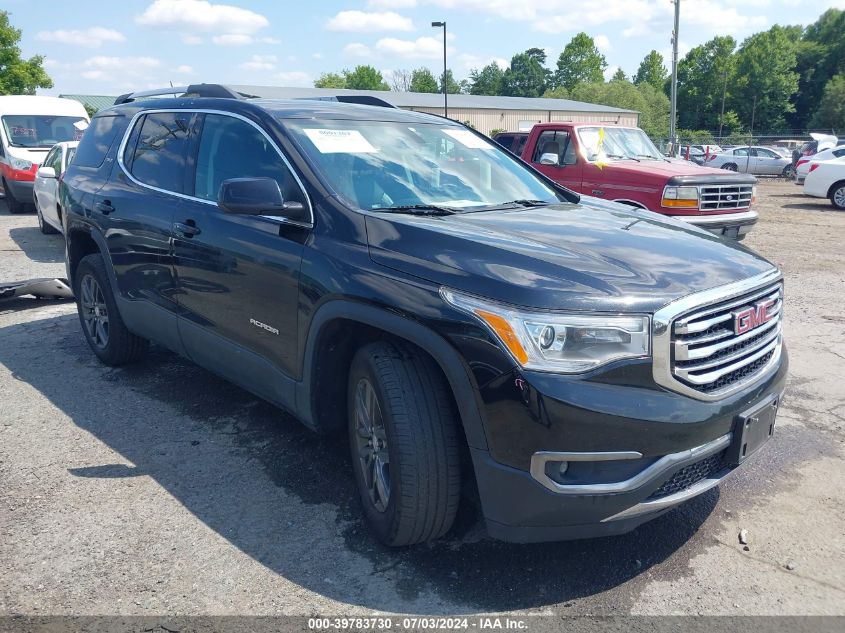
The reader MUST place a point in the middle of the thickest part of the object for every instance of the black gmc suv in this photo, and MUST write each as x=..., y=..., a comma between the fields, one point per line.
x=399, y=278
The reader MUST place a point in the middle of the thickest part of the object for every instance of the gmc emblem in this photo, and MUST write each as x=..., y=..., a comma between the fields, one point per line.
x=749, y=318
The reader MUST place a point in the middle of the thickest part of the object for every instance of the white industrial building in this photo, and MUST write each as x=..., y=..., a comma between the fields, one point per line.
x=483, y=113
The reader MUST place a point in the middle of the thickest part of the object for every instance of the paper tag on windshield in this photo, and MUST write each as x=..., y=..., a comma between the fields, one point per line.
x=468, y=139
x=340, y=141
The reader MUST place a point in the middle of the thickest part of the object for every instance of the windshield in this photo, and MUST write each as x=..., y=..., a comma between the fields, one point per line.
x=381, y=165
x=603, y=143
x=28, y=130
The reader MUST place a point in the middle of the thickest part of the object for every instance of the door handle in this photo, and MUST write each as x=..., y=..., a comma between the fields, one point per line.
x=186, y=229
x=104, y=207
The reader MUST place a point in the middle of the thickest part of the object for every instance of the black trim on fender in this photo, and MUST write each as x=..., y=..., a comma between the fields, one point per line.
x=457, y=374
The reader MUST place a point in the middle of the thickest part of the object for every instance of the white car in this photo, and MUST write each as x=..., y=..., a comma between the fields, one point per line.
x=752, y=160
x=46, y=188
x=802, y=168
x=827, y=180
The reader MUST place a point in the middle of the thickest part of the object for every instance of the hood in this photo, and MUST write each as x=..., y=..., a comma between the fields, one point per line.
x=668, y=168
x=602, y=257
x=35, y=155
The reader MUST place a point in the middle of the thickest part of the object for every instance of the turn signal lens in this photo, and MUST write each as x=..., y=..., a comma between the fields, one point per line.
x=505, y=331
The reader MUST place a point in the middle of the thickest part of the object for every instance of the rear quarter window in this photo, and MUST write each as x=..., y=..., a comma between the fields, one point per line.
x=97, y=141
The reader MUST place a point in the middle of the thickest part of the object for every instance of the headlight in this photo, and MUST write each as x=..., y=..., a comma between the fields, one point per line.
x=680, y=197
x=556, y=342
x=20, y=164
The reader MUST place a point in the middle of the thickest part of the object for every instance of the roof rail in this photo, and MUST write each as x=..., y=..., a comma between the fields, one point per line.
x=194, y=90
x=359, y=99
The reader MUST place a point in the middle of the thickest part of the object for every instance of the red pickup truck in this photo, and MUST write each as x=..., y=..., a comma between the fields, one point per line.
x=619, y=163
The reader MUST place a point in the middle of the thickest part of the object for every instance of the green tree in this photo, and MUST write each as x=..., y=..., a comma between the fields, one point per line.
x=830, y=114
x=18, y=76
x=820, y=54
x=580, y=62
x=526, y=77
x=487, y=81
x=331, y=80
x=452, y=86
x=766, y=79
x=619, y=75
x=558, y=92
x=365, y=78
x=652, y=104
x=702, y=76
x=423, y=80
x=91, y=110
x=652, y=71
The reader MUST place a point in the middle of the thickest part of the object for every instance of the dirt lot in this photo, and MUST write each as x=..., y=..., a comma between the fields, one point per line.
x=161, y=489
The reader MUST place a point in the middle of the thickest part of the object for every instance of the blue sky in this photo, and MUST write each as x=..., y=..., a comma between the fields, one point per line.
x=107, y=47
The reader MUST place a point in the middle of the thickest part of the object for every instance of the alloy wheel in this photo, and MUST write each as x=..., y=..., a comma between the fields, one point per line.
x=95, y=313
x=371, y=444
x=839, y=197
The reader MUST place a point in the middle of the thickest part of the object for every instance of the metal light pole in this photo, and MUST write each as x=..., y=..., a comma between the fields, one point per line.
x=674, y=107
x=443, y=81
x=722, y=115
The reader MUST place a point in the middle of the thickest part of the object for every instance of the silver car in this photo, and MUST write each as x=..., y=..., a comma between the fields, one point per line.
x=760, y=161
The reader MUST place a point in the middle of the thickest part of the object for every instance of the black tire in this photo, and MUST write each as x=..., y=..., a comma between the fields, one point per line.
x=788, y=172
x=92, y=289
x=14, y=205
x=837, y=195
x=46, y=229
x=729, y=167
x=420, y=429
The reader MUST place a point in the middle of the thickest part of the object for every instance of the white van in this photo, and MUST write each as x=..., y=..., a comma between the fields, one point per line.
x=29, y=127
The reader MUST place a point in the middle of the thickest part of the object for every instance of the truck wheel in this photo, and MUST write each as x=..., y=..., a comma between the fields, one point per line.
x=101, y=323
x=15, y=205
x=46, y=229
x=404, y=443
x=837, y=195
x=729, y=167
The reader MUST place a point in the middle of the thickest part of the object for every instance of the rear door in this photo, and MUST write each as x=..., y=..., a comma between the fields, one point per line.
x=238, y=275
x=742, y=159
x=568, y=171
x=135, y=210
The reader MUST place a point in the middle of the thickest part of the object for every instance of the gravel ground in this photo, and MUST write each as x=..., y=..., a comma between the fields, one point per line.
x=159, y=488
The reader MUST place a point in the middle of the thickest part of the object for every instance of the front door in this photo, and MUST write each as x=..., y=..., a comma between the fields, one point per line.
x=238, y=275
x=566, y=170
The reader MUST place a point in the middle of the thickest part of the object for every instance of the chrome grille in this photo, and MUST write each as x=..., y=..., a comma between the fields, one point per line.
x=719, y=197
x=708, y=356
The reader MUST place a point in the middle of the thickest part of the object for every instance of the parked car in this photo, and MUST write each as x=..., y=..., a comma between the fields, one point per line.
x=30, y=127
x=622, y=164
x=819, y=143
x=757, y=160
x=398, y=278
x=782, y=151
x=802, y=168
x=46, y=188
x=827, y=180
x=512, y=141
x=707, y=149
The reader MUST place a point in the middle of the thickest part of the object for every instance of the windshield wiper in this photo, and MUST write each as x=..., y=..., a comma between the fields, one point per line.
x=622, y=157
x=417, y=209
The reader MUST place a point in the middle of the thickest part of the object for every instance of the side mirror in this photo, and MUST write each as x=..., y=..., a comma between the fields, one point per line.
x=46, y=172
x=549, y=159
x=257, y=196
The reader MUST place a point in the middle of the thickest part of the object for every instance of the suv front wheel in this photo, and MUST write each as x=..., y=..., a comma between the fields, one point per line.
x=404, y=443
x=104, y=330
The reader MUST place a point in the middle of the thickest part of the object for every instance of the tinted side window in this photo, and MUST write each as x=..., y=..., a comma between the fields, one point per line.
x=57, y=161
x=839, y=152
x=97, y=140
x=232, y=148
x=520, y=144
x=161, y=153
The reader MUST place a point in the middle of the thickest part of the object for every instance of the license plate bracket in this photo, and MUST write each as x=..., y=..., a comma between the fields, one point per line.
x=753, y=429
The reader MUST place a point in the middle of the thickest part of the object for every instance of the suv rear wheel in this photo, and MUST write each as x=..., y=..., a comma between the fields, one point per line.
x=101, y=323
x=404, y=443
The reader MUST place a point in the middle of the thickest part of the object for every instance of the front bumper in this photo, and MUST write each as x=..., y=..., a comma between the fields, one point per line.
x=671, y=449
x=21, y=189
x=736, y=225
